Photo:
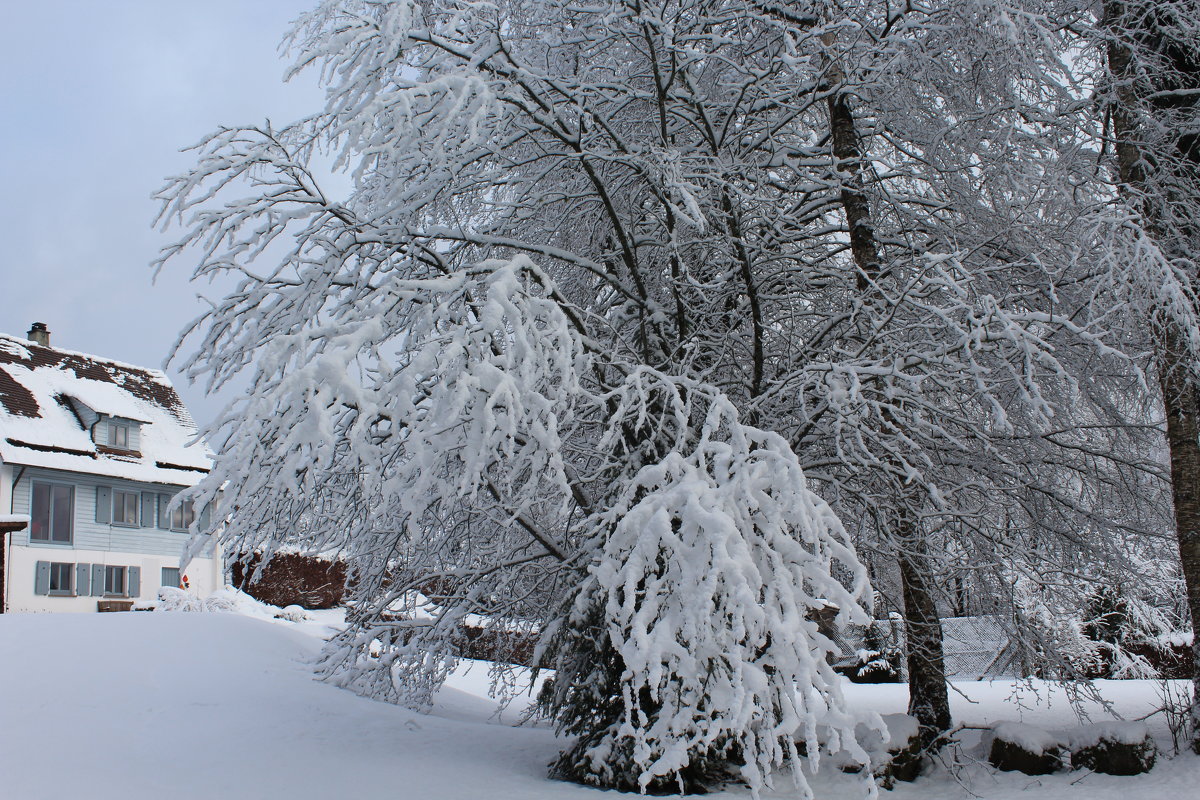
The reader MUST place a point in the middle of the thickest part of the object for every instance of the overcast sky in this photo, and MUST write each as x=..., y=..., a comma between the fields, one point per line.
x=99, y=96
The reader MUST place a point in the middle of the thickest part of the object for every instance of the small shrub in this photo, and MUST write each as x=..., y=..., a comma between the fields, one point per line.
x=877, y=661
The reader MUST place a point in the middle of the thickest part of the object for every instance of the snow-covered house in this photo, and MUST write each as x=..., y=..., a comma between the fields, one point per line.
x=92, y=453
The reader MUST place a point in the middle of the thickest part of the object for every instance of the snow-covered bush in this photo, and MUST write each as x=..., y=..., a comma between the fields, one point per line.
x=878, y=660
x=682, y=649
x=173, y=599
x=894, y=749
x=292, y=613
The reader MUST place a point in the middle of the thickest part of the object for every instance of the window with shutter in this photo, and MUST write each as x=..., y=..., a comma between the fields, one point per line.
x=62, y=576
x=41, y=578
x=115, y=581
x=148, y=504
x=83, y=579
x=183, y=515
x=103, y=505
x=164, y=518
x=124, y=507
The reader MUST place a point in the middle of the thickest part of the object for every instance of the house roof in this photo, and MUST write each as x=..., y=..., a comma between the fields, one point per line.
x=49, y=398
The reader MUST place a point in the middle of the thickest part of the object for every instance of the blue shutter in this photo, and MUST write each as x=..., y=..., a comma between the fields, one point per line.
x=164, y=519
x=134, y=575
x=97, y=580
x=103, y=505
x=41, y=578
x=147, y=510
x=83, y=583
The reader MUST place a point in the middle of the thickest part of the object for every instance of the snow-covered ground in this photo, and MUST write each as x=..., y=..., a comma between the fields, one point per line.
x=224, y=707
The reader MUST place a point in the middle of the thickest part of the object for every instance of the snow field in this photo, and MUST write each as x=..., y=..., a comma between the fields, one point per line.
x=224, y=707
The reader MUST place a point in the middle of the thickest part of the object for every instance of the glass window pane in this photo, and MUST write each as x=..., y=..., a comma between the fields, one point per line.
x=183, y=516
x=125, y=507
x=39, y=528
x=62, y=513
x=114, y=580
x=60, y=577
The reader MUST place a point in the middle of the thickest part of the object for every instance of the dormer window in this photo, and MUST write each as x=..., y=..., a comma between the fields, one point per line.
x=118, y=435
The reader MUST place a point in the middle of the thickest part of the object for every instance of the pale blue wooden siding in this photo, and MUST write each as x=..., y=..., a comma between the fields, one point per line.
x=90, y=534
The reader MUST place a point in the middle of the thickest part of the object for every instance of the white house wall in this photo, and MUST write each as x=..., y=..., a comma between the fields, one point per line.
x=203, y=574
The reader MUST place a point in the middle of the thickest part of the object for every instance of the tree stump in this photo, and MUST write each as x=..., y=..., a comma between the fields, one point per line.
x=1114, y=748
x=1016, y=747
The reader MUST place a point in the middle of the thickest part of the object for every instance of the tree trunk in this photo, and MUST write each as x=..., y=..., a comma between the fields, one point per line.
x=1183, y=437
x=928, y=698
x=1126, y=23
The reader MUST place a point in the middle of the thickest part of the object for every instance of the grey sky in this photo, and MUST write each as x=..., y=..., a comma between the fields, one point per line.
x=98, y=98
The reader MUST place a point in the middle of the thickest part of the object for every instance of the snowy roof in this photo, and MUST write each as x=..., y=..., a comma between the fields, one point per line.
x=13, y=522
x=49, y=399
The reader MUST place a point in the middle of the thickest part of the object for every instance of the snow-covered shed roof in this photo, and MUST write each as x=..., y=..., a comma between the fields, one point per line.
x=51, y=398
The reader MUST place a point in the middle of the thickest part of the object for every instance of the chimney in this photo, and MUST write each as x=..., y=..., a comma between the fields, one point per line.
x=39, y=334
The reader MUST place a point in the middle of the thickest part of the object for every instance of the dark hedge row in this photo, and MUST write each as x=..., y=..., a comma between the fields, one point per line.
x=292, y=579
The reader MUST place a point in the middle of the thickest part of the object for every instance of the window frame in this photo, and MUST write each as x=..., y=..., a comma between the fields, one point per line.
x=110, y=570
x=124, y=427
x=50, y=515
x=112, y=501
x=186, y=512
x=69, y=568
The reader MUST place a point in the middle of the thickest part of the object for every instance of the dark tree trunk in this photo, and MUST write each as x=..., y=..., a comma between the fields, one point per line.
x=928, y=698
x=1160, y=179
x=1183, y=436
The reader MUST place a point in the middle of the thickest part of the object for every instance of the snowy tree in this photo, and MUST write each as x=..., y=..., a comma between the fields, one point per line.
x=513, y=369
x=613, y=283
